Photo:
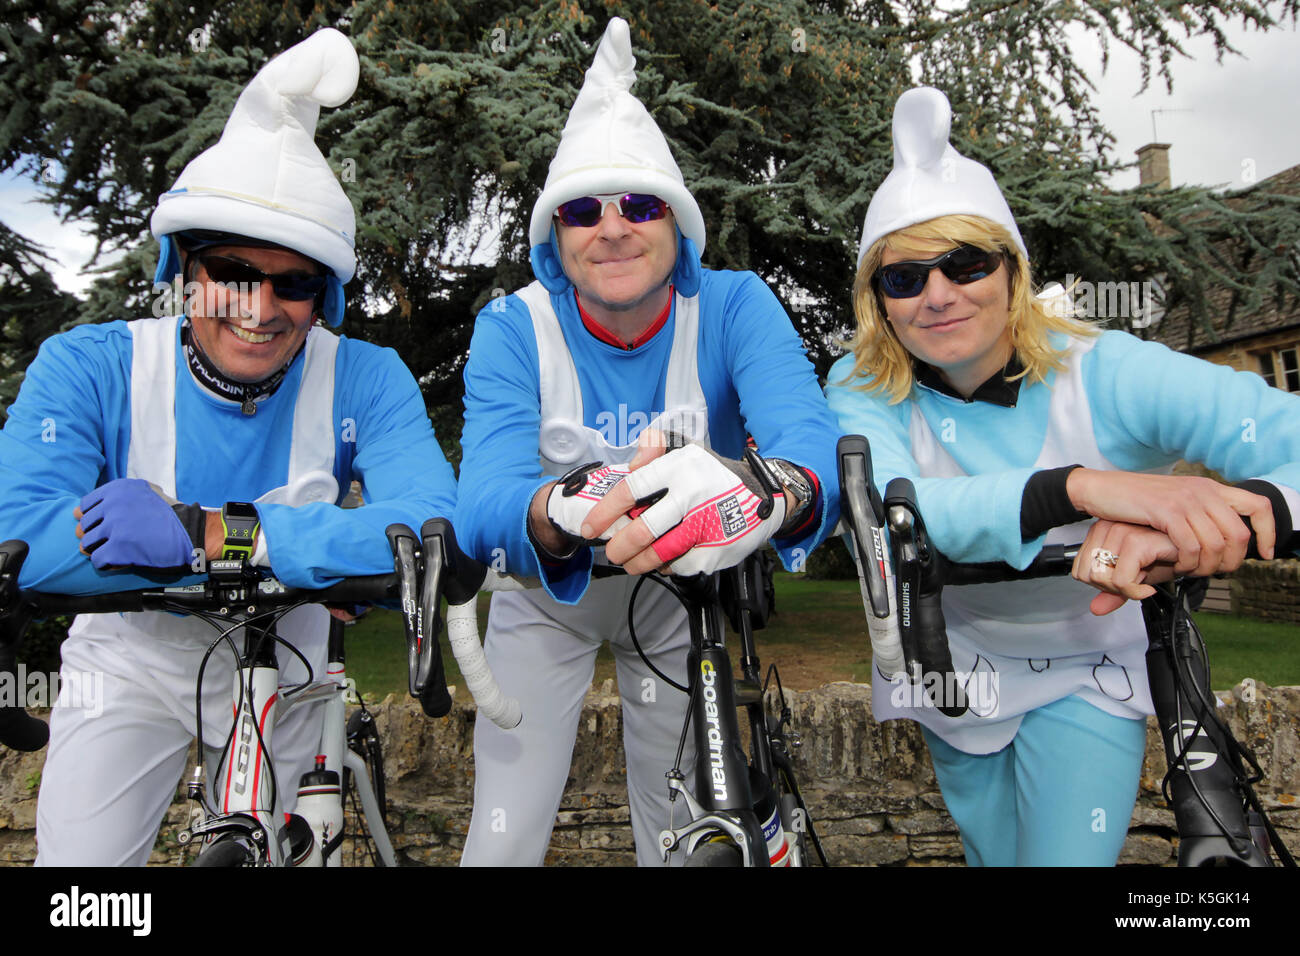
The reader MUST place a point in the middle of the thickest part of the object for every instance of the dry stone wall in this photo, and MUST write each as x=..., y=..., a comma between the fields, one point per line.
x=870, y=786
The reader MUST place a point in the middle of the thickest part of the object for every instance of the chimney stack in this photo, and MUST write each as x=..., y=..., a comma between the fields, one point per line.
x=1153, y=165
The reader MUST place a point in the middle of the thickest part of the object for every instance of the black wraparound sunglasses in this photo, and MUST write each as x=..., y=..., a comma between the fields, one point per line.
x=296, y=286
x=963, y=265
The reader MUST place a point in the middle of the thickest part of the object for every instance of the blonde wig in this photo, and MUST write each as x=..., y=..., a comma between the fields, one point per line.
x=881, y=358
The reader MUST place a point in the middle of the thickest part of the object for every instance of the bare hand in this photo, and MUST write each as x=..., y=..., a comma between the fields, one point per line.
x=1200, y=516
x=1143, y=556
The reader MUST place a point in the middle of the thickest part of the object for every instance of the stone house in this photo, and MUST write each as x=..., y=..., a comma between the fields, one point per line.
x=1265, y=340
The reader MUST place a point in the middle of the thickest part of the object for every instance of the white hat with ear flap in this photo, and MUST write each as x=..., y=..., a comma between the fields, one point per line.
x=931, y=179
x=266, y=179
x=611, y=144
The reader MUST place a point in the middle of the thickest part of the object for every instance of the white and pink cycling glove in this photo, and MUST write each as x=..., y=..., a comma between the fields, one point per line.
x=710, y=513
x=577, y=493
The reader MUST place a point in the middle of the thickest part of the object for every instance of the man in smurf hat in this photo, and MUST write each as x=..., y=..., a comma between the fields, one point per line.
x=246, y=409
x=635, y=373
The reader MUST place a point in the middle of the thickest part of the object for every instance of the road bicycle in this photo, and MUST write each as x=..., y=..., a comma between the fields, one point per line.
x=744, y=810
x=1210, y=777
x=243, y=823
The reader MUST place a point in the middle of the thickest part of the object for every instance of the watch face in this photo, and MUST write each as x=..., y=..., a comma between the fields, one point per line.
x=239, y=509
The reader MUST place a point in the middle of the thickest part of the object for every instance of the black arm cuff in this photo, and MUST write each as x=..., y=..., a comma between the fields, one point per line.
x=195, y=522
x=1045, y=503
x=1288, y=541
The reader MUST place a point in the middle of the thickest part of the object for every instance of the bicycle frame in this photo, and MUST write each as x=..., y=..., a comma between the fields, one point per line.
x=250, y=806
x=233, y=598
x=724, y=799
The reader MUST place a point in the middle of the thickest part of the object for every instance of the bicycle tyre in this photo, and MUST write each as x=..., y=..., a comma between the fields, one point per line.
x=225, y=852
x=716, y=853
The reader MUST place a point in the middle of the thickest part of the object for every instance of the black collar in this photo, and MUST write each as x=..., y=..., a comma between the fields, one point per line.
x=1000, y=388
x=247, y=395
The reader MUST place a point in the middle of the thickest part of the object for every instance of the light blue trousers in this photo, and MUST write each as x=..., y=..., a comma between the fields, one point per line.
x=1060, y=794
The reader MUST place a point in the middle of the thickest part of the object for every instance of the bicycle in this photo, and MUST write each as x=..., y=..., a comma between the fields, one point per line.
x=249, y=827
x=745, y=810
x=1219, y=818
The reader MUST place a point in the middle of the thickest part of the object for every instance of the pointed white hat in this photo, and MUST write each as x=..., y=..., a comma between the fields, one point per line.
x=931, y=179
x=266, y=178
x=611, y=145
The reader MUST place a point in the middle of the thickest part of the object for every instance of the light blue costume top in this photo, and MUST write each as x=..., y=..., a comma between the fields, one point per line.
x=1121, y=403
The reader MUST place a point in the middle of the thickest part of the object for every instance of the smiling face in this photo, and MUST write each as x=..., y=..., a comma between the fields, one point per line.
x=249, y=333
x=619, y=268
x=961, y=330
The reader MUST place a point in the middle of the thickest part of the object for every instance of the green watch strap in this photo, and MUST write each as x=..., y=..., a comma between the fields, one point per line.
x=239, y=523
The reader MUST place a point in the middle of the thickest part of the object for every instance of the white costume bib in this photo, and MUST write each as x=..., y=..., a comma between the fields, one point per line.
x=1025, y=644
x=135, y=749
x=564, y=441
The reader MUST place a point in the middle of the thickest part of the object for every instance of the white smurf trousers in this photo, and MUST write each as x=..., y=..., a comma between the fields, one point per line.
x=543, y=653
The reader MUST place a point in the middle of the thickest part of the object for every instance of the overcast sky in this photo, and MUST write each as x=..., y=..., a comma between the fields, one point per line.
x=1228, y=124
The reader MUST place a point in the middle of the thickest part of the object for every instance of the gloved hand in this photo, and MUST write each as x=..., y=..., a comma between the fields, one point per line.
x=126, y=523
x=577, y=493
x=707, y=513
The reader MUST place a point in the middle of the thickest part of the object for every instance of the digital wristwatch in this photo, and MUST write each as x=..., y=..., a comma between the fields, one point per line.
x=239, y=524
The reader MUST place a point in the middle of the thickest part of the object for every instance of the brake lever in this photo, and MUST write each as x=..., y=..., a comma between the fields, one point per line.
x=919, y=570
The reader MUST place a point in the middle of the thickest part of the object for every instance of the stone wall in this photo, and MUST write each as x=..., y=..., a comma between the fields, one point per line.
x=1268, y=590
x=870, y=787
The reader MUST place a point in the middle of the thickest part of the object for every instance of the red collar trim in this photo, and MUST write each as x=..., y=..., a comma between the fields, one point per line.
x=609, y=338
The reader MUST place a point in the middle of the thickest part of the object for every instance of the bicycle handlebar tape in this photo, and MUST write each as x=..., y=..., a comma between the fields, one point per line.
x=1208, y=803
x=919, y=571
x=19, y=730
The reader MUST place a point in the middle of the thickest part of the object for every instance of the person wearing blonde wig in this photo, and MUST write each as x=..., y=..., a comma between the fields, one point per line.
x=1021, y=425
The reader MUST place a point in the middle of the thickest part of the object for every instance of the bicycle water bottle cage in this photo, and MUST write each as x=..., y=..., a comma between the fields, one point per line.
x=919, y=575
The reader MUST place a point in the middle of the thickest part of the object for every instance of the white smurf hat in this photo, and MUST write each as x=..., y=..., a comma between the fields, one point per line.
x=266, y=178
x=610, y=145
x=931, y=179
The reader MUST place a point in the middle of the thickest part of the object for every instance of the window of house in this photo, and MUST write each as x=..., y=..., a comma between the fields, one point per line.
x=1281, y=368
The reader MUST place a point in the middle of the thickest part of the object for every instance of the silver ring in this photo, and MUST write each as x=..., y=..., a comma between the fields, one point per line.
x=1101, y=558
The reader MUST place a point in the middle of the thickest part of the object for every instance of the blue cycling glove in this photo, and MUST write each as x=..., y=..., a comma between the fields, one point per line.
x=125, y=523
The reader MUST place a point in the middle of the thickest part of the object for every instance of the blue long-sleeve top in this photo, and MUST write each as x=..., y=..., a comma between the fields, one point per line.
x=69, y=431
x=755, y=377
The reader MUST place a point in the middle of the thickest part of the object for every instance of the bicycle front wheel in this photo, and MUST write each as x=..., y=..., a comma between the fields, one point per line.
x=716, y=853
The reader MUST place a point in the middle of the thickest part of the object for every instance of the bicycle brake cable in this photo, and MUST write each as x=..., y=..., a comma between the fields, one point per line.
x=631, y=623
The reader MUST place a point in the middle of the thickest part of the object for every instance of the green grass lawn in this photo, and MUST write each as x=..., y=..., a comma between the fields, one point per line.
x=819, y=635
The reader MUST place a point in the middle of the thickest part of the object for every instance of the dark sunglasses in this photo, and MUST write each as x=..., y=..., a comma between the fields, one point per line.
x=963, y=265
x=634, y=207
x=291, y=286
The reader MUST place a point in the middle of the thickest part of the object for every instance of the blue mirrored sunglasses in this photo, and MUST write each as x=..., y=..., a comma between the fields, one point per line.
x=634, y=207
